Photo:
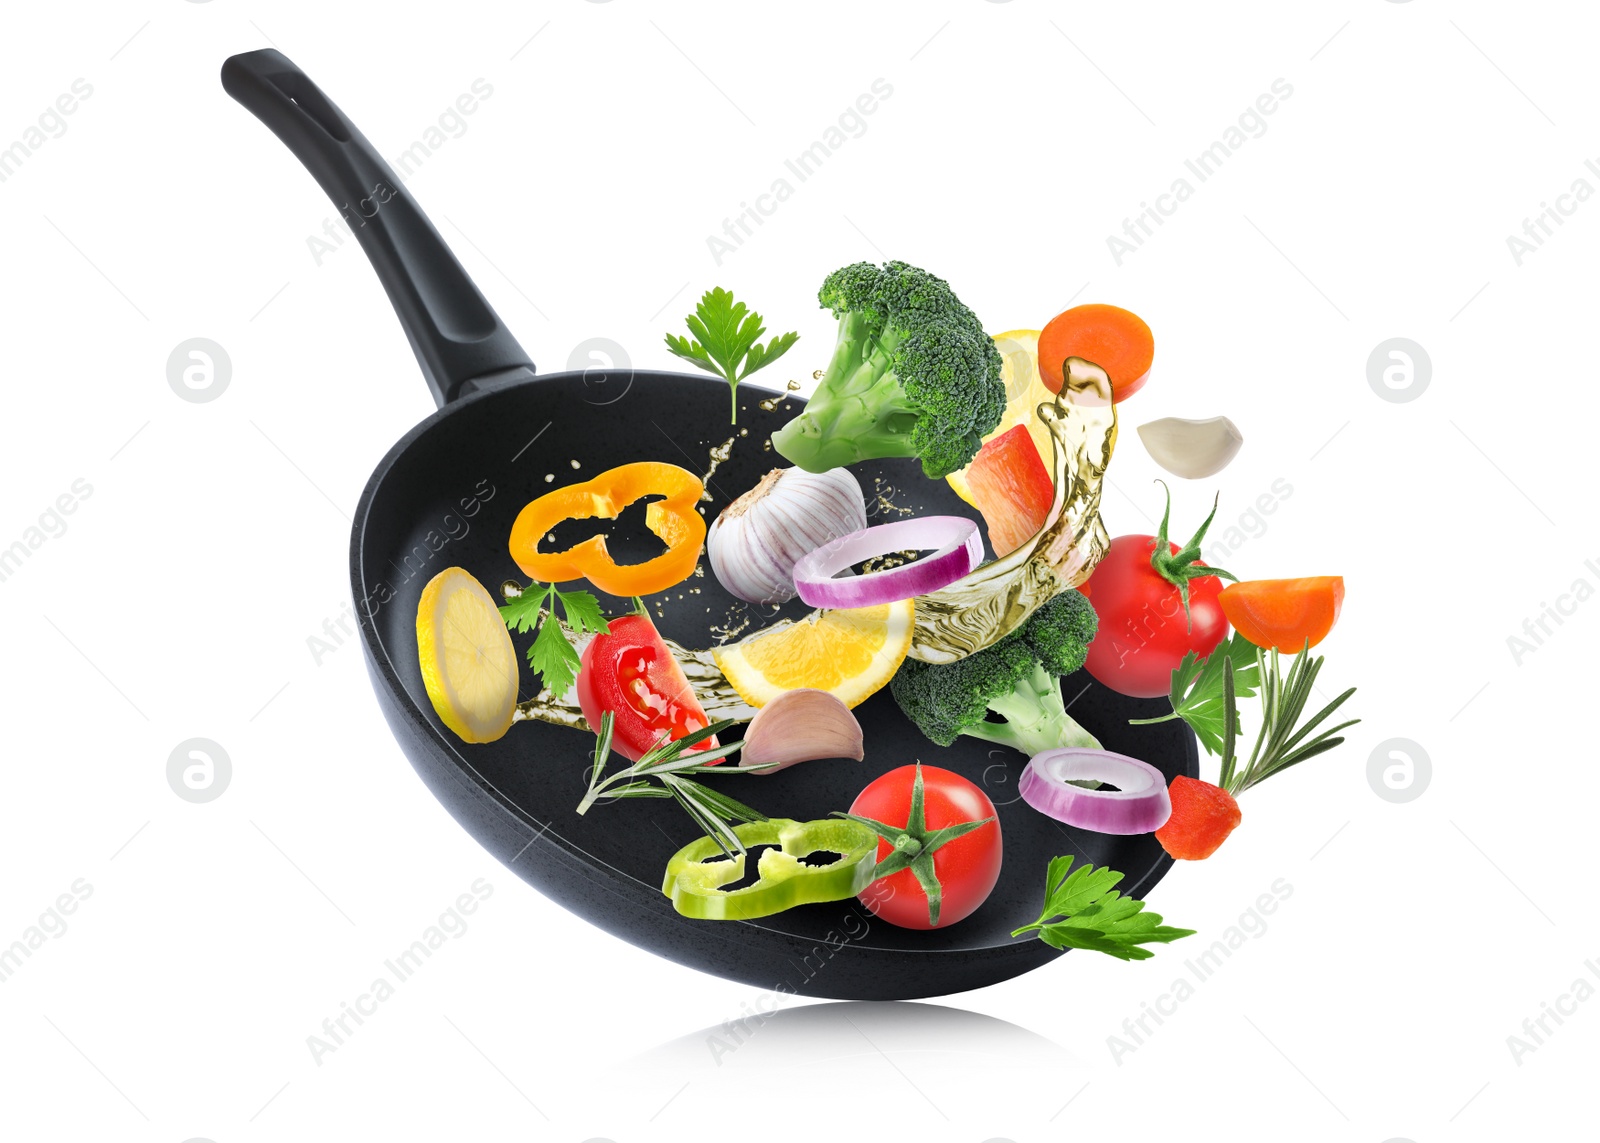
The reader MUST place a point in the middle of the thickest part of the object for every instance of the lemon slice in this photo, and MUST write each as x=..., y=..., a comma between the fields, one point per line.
x=850, y=653
x=468, y=663
x=1025, y=392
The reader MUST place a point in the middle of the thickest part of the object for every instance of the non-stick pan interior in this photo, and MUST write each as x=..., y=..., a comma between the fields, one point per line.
x=447, y=496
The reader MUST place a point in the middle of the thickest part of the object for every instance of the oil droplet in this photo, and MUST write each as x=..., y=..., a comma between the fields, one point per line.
x=883, y=500
x=719, y=454
x=770, y=404
x=744, y=432
x=735, y=621
x=888, y=560
x=766, y=445
x=573, y=463
x=549, y=477
x=816, y=375
x=511, y=589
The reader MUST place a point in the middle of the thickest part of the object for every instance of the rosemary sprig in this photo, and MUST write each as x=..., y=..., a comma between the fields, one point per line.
x=663, y=772
x=1278, y=744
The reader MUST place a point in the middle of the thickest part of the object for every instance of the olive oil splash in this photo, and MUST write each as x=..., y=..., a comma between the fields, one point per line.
x=994, y=600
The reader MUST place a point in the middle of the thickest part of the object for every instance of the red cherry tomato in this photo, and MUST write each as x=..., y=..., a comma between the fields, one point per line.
x=631, y=673
x=1144, y=633
x=967, y=868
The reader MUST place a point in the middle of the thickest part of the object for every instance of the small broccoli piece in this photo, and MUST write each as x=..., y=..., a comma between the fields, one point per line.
x=912, y=375
x=1060, y=632
x=1017, y=678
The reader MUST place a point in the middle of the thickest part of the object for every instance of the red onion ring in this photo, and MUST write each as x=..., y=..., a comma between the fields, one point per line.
x=1139, y=804
x=958, y=549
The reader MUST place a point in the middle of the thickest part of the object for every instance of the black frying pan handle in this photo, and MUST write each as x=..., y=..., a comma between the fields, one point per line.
x=456, y=335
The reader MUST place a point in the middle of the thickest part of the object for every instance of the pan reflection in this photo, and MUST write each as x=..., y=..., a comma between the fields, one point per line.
x=774, y=1034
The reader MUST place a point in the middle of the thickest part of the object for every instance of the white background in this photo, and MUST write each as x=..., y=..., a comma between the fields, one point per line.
x=178, y=602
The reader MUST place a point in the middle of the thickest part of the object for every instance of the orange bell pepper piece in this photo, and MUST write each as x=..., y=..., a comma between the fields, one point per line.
x=675, y=519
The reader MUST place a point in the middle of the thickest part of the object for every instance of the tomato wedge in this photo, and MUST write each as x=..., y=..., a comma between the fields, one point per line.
x=631, y=673
x=1012, y=488
x=1286, y=614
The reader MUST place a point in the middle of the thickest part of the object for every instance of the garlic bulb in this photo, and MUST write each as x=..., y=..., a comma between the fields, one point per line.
x=756, y=541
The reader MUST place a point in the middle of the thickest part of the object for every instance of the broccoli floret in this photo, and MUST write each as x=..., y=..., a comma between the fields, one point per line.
x=1017, y=678
x=1060, y=632
x=912, y=375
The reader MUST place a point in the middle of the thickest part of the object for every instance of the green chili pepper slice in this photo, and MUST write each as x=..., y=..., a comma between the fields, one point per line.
x=697, y=872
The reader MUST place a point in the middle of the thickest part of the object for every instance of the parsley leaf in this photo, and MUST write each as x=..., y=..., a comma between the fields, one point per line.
x=523, y=612
x=1083, y=910
x=726, y=334
x=552, y=655
x=1197, y=696
x=582, y=610
x=764, y=354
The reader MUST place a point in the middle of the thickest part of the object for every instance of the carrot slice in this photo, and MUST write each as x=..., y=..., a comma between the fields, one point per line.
x=1012, y=488
x=1284, y=613
x=1113, y=338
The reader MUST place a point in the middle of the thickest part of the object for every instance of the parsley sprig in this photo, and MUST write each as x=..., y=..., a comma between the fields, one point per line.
x=1197, y=690
x=1083, y=910
x=552, y=655
x=1205, y=694
x=726, y=334
x=670, y=764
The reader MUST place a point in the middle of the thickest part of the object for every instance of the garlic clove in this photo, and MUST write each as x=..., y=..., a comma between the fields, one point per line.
x=1192, y=449
x=800, y=726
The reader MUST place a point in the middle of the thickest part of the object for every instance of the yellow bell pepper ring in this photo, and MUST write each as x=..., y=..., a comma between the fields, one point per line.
x=675, y=519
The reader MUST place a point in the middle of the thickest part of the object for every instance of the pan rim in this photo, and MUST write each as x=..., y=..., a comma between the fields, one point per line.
x=625, y=885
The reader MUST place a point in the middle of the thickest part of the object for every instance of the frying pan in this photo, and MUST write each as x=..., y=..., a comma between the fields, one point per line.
x=446, y=494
